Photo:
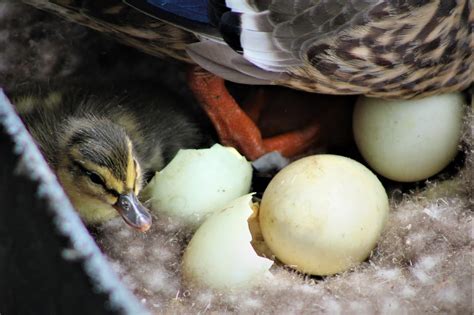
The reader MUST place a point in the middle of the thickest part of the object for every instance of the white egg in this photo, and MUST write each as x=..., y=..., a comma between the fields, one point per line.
x=197, y=182
x=323, y=214
x=220, y=255
x=408, y=140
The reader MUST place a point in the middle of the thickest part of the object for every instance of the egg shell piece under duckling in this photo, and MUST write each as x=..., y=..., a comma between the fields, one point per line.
x=198, y=182
x=323, y=214
x=409, y=140
x=220, y=255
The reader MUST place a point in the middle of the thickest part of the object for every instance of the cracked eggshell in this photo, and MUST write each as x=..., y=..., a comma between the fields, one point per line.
x=198, y=182
x=408, y=140
x=323, y=214
x=220, y=254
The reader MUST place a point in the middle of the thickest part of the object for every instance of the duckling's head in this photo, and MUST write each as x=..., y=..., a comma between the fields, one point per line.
x=98, y=168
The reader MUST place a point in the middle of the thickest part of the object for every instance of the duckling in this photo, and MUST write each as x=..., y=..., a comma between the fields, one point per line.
x=101, y=147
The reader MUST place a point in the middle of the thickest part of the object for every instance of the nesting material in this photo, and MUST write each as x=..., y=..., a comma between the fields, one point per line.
x=423, y=263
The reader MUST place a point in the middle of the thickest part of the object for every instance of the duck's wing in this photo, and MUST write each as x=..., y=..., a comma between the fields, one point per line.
x=278, y=34
x=270, y=37
x=378, y=47
x=124, y=23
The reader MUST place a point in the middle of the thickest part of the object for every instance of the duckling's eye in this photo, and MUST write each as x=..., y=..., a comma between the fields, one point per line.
x=95, y=178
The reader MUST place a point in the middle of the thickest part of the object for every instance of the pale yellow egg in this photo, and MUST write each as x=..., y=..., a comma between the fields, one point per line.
x=408, y=140
x=323, y=214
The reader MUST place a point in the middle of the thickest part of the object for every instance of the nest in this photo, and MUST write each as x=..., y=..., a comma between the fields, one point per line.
x=422, y=264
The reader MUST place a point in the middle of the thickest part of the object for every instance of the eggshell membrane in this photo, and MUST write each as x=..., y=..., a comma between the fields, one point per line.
x=408, y=140
x=197, y=182
x=220, y=255
x=323, y=214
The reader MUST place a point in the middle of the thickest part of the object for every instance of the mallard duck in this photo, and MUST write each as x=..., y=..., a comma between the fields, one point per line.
x=102, y=147
x=380, y=48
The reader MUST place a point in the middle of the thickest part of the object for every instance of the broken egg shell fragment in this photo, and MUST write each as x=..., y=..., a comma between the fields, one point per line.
x=220, y=254
x=198, y=182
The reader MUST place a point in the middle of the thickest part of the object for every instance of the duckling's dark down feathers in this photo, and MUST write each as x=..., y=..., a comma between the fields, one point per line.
x=157, y=127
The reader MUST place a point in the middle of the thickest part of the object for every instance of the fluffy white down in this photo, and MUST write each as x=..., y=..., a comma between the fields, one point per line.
x=423, y=263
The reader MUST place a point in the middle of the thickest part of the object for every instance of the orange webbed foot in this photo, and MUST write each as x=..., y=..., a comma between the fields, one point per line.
x=237, y=127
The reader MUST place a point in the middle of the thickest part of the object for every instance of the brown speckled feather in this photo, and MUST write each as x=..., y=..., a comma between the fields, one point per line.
x=381, y=48
x=391, y=49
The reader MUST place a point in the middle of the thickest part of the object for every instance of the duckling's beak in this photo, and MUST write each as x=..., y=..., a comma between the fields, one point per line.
x=133, y=212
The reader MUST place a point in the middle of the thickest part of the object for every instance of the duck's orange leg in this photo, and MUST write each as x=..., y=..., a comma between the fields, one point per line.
x=234, y=126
